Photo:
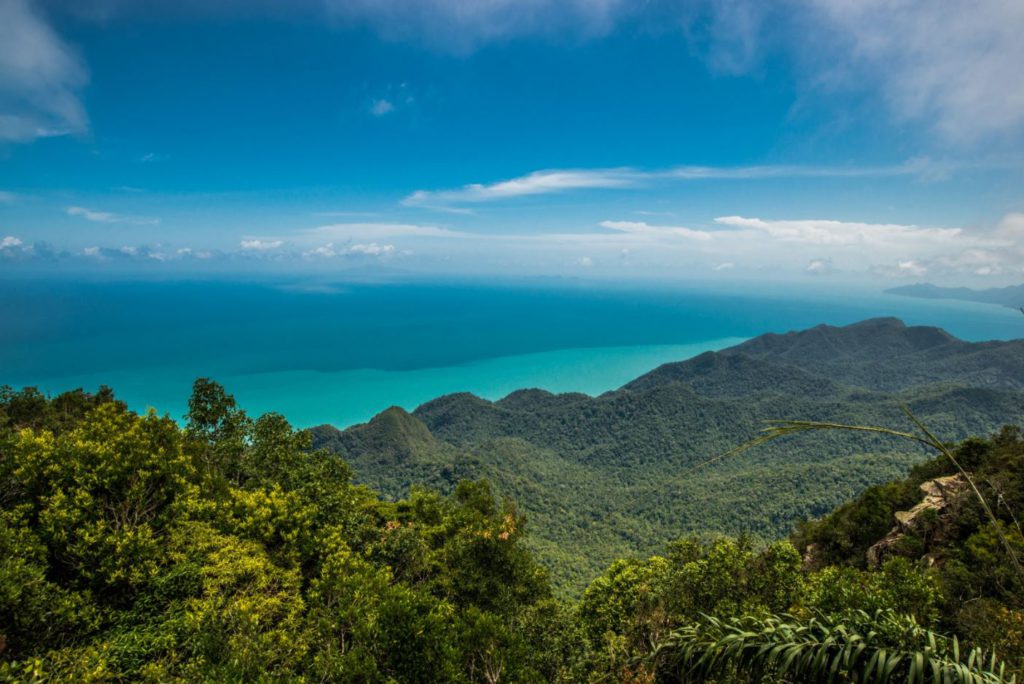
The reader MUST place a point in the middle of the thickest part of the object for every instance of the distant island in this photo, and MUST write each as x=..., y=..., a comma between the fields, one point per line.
x=1012, y=296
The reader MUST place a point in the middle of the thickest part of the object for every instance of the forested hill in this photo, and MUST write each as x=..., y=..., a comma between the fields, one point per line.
x=879, y=354
x=621, y=474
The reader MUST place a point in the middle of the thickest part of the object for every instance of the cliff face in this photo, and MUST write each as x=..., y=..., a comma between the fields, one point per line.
x=929, y=520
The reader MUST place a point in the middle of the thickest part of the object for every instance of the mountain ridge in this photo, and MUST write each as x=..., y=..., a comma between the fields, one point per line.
x=1011, y=296
x=628, y=466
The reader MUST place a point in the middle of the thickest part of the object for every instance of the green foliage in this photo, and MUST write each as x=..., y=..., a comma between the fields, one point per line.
x=629, y=600
x=897, y=587
x=103, y=494
x=879, y=648
x=132, y=549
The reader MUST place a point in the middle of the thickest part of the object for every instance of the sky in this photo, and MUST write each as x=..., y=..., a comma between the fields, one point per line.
x=808, y=141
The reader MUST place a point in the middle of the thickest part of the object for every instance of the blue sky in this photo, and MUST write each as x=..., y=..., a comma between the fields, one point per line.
x=801, y=140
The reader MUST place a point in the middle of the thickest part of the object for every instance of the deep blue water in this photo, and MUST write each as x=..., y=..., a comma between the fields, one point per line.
x=340, y=353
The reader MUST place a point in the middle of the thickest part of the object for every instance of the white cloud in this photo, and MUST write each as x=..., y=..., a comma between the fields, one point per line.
x=977, y=262
x=323, y=251
x=13, y=249
x=40, y=78
x=744, y=244
x=585, y=261
x=372, y=249
x=892, y=250
x=642, y=228
x=108, y=217
x=330, y=251
x=257, y=245
x=912, y=267
x=381, y=107
x=845, y=234
x=819, y=266
x=564, y=180
x=536, y=183
x=955, y=63
x=189, y=253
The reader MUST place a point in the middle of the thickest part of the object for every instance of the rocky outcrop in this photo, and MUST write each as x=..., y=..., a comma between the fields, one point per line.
x=927, y=520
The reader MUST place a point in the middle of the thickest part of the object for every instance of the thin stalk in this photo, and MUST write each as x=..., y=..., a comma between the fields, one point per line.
x=1000, y=499
x=783, y=428
x=942, y=448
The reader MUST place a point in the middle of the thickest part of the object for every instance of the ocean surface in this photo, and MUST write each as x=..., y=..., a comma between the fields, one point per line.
x=340, y=353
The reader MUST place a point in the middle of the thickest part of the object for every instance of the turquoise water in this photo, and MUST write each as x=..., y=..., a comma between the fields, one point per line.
x=346, y=397
x=339, y=353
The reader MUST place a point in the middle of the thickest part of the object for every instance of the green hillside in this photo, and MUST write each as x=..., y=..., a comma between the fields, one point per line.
x=623, y=473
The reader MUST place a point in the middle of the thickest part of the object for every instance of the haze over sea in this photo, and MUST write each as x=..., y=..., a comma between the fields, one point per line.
x=339, y=353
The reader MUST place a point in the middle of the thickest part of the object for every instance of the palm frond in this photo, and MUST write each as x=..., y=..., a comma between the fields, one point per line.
x=879, y=649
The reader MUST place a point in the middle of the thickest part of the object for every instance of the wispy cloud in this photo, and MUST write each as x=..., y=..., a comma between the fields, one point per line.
x=7, y=197
x=108, y=217
x=956, y=64
x=40, y=78
x=953, y=66
x=536, y=183
x=564, y=180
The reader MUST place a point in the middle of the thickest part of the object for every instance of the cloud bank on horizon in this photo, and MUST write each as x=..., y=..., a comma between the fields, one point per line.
x=597, y=138
x=757, y=248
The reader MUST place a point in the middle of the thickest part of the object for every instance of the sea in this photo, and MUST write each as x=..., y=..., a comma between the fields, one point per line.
x=339, y=353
